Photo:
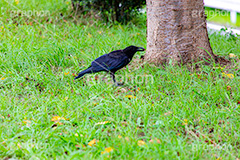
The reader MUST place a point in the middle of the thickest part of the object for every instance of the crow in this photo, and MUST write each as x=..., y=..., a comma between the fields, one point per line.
x=111, y=62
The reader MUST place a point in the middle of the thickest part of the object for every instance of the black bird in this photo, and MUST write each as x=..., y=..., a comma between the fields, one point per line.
x=112, y=61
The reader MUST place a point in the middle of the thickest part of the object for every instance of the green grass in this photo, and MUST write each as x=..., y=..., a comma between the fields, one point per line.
x=221, y=17
x=192, y=114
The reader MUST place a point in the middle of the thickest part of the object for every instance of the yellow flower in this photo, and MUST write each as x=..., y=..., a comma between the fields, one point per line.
x=3, y=78
x=130, y=96
x=100, y=32
x=26, y=121
x=107, y=150
x=57, y=118
x=66, y=73
x=118, y=43
x=92, y=142
x=95, y=104
x=89, y=35
x=228, y=75
x=119, y=136
x=66, y=98
x=16, y=1
x=140, y=143
x=185, y=122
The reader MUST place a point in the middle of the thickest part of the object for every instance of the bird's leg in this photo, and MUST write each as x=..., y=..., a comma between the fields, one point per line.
x=113, y=77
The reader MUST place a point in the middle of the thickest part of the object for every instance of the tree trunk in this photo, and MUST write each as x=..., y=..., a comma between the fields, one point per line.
x=176, y=30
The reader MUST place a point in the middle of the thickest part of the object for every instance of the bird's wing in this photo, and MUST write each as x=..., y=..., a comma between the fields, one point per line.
x=112, y=61
x=116, y=54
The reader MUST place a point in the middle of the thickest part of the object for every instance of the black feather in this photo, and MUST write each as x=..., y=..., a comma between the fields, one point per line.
x=112, y=61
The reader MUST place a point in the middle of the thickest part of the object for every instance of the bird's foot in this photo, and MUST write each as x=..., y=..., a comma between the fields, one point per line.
x=119, y=84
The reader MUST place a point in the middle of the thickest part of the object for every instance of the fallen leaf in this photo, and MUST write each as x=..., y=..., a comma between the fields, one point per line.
x=78, y=146
x=218, y=68
x=19, y=145
x=100, y=123
x=123, y=90
x=229, y=88
x=130, y=96
x=140, y=143
x=231, y=55
x=4, y=142
x=168, y=113
x=95, y=104
x=155, y=140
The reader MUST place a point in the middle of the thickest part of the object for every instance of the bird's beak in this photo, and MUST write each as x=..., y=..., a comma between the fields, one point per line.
x=140, y=49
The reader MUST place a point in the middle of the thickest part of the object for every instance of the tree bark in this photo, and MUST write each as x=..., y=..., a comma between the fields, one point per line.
x=176, y=30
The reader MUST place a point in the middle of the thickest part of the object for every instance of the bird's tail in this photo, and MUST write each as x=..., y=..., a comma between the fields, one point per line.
x=88, y=70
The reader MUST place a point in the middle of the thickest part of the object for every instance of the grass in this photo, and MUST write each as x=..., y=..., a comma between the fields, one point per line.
x=221, y=17
x=179, y=114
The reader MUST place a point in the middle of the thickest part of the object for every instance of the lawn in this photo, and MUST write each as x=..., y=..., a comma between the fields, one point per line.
x=166, y=112
x=221, y=17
